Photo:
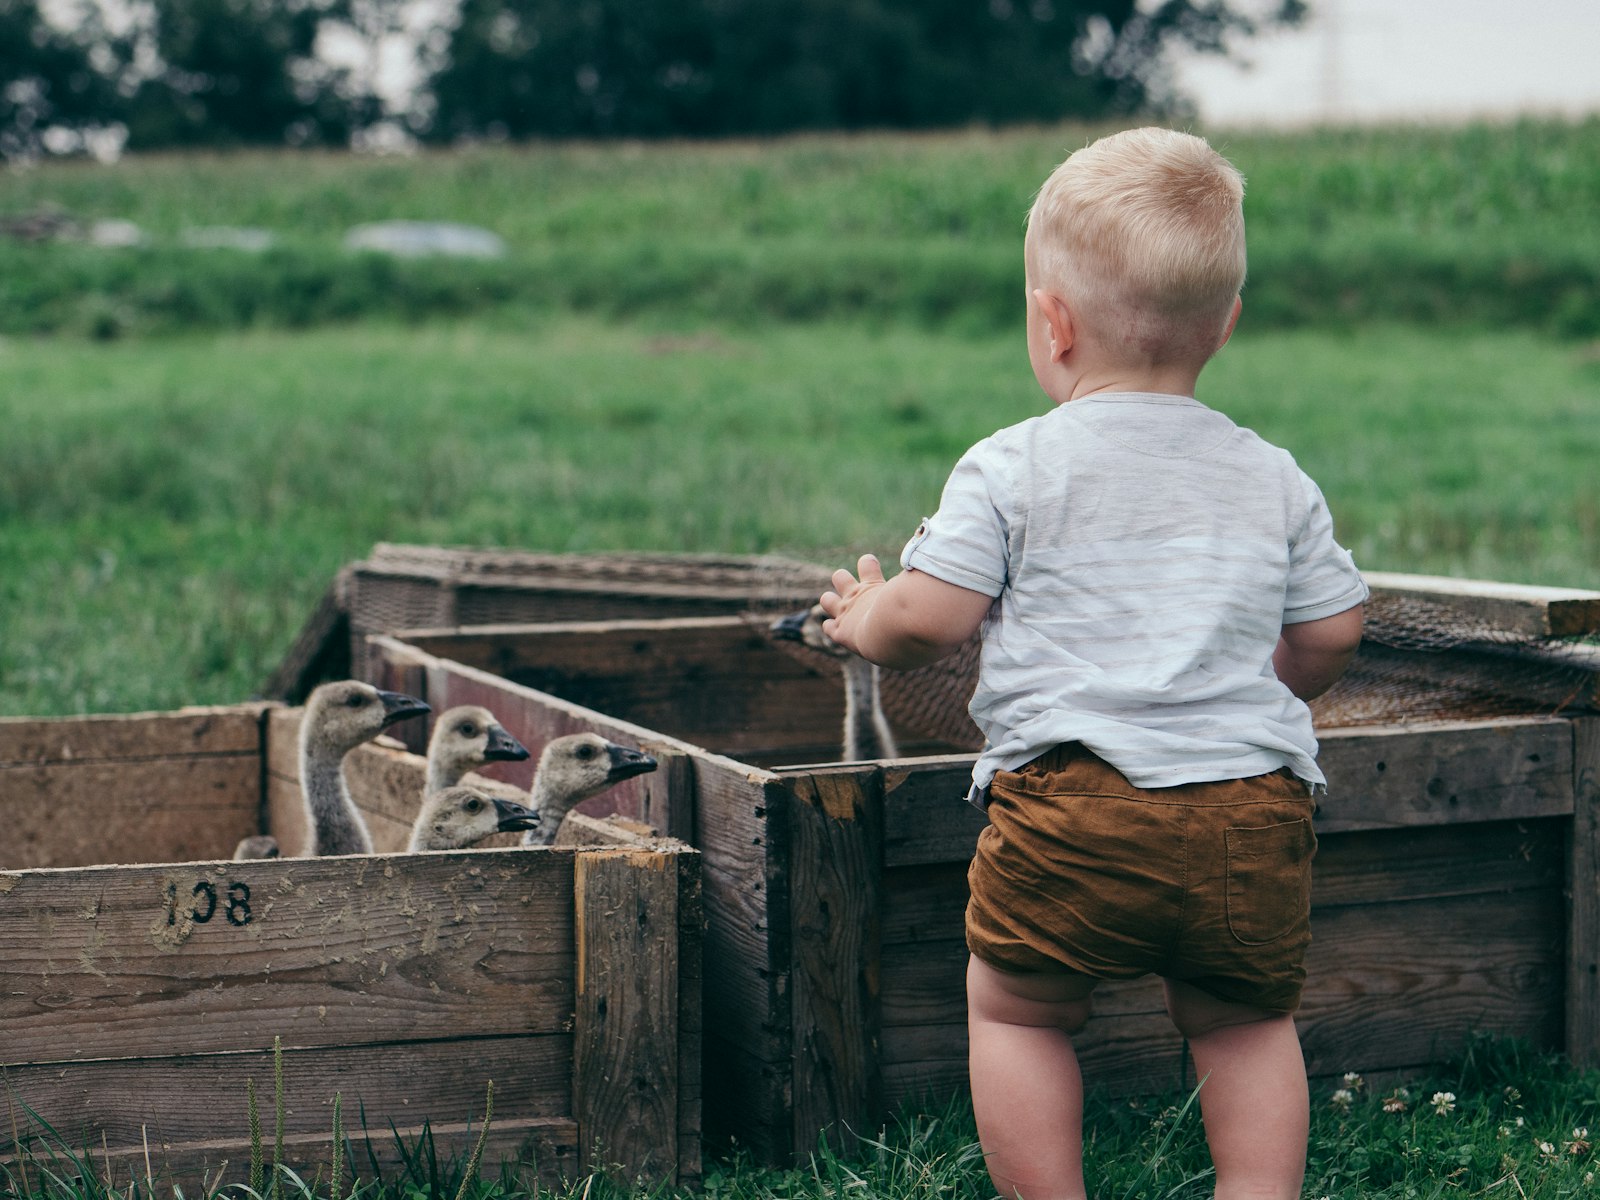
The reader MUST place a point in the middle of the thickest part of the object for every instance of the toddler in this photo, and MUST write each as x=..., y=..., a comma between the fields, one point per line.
x=1159, y=593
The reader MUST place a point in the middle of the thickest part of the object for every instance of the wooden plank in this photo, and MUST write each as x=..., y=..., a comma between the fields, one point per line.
x=205, y=1095
x=174, y=809
x=1583, y=899
x=1431, y=862
x=669, y=791
x=1381, y=777
x=835, y=843
x=691, y=1020
x=199, y=958
x=543, y=1146
x=625, y=1058
x=926, y=817
x=38, y=741
x=716, y=682
x=1516, y=609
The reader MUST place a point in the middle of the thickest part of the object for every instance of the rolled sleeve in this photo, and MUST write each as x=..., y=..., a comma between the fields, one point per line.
x=966, y=542
x=1323, y=579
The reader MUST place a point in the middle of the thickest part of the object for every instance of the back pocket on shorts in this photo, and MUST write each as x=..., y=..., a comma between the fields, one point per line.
x=1269, y=880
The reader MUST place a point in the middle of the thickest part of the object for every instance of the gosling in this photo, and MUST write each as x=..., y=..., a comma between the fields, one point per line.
x=866, y=729
x=572, y=769
x=453, y=818
x=339, y=717
x=464, y=738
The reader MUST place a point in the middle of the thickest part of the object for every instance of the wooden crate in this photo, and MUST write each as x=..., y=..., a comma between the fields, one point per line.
x=401, y=586
x=147, y=977
x=1455, y=887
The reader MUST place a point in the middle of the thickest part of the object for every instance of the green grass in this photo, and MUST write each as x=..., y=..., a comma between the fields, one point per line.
x=170, y=510
x=1477, y=225
x=1499, y=1121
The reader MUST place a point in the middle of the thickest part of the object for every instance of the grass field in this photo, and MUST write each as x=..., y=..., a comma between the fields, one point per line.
x=750, y=348
x=1484, y=225
x=173, y=508
x=1498, y=1121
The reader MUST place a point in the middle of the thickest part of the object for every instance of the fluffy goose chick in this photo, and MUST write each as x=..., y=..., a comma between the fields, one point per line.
x=464, y=738
x=455, y=817
x=339, y=717
x=866, y=730
x=573, y=768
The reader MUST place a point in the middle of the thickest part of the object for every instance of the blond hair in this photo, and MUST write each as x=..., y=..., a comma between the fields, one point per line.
x=1143, y=233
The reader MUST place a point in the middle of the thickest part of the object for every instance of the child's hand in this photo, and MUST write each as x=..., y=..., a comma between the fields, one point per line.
x=850, y=601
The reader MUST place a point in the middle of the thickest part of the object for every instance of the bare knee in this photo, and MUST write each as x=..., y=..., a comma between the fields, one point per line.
x=1050, y=1001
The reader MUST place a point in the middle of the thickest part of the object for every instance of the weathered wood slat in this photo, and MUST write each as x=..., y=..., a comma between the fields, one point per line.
x=835, y=847
x=1468, y=771
x=1516, y=609
x=625, y=1063
x=325, y=952
x=188, y=732
x=926, y=817
x=206, y=1095
x=1583, y=899
x=174, y=809
x=716, y=681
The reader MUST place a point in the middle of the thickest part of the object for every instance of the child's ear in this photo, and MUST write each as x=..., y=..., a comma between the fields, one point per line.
x=1233, y=319
x=1056, y=315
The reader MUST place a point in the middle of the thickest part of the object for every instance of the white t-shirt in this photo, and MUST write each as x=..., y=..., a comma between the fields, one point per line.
x=1145, y=552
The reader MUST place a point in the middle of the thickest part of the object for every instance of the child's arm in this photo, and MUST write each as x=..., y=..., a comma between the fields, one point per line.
x=1311, y=655
x=905, y=622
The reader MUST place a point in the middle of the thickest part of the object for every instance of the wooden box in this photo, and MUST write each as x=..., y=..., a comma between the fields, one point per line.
x=1455, y=887
x=401, y=586
x=147, y=977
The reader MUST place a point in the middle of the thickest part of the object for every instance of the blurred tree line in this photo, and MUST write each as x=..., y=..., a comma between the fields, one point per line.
x=78, y=75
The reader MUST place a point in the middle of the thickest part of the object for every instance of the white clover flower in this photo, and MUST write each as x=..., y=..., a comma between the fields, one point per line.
x=1342, y=1099
x=1353, y=1081
x=1546, y=1149
x=1396, y=1101
x=1444, y=1102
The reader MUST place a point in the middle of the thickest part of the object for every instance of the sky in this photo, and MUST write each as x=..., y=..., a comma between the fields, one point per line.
x=1378, y=60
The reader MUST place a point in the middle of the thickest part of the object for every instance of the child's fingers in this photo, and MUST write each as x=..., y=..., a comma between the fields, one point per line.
x=843, y=581
x=869, y=569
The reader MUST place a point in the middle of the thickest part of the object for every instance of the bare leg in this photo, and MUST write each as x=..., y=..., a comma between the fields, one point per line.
x=1026, y=1089
x=1255, y=1101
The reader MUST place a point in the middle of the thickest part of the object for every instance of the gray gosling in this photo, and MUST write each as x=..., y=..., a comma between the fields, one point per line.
x=866, y=730
x=453, y=818
x=572, y=769
x=464, y=738
x=339, y=717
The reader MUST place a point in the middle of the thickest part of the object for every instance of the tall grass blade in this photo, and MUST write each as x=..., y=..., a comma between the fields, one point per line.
x=1172, y=1132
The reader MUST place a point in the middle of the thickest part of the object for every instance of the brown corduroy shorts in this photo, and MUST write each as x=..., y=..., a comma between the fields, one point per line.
x=1206, y=883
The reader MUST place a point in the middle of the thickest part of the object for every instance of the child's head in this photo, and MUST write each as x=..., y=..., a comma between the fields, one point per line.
x=1142, y=233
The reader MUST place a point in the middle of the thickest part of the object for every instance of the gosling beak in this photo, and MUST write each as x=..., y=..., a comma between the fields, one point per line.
x=788, y=628
x=397, y=707
x=514, y=815
x=503, y=747
x=625, y=763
